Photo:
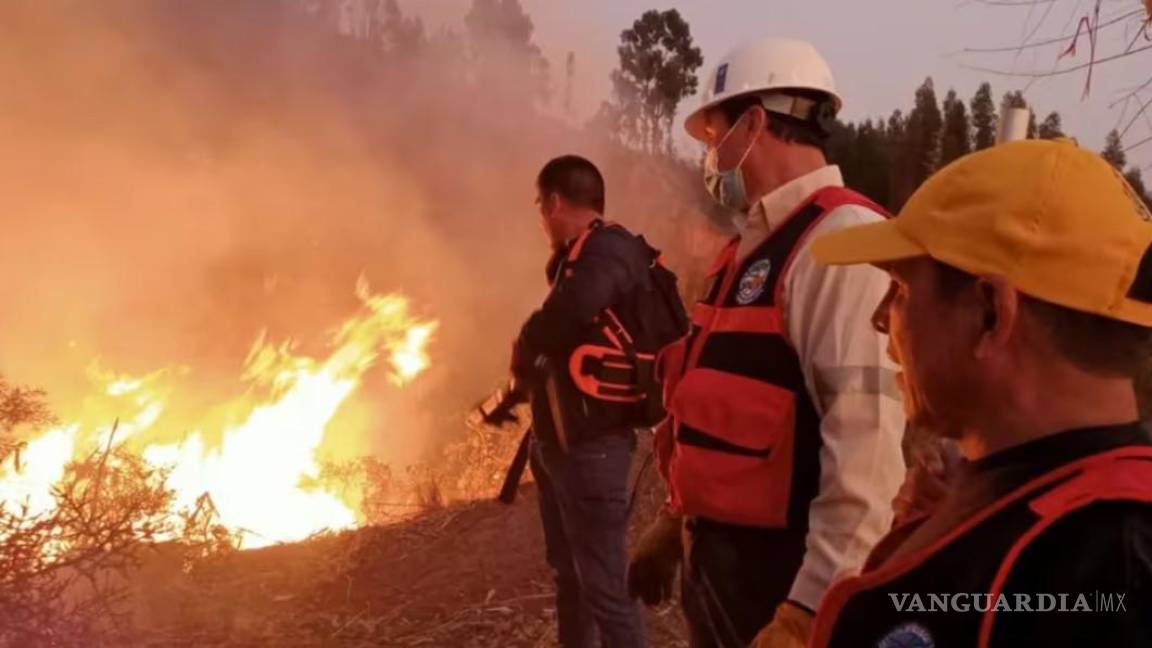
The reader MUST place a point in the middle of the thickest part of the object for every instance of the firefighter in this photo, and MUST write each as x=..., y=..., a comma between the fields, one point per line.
x=782, y=449
x=1020, y=311
x=581, y=359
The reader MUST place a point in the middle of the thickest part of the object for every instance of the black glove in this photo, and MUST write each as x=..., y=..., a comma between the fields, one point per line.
x=652, y=569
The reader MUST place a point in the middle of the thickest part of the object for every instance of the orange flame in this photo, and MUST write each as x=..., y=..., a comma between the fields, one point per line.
x=261, y=476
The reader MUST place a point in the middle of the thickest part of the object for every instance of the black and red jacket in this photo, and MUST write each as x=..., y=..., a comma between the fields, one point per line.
x=595, y=284
x=1081, y=527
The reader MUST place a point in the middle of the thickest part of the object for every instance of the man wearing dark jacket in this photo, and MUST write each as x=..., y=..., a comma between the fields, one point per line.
x=583, y=444
x=1020, y=311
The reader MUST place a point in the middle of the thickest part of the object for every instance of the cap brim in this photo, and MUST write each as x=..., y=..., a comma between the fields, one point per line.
x=872, y=243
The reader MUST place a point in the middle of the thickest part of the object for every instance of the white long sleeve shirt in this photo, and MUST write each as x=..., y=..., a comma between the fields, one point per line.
x=851, y=380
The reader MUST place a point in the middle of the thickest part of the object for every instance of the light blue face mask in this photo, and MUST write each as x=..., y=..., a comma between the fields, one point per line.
x=727, y=187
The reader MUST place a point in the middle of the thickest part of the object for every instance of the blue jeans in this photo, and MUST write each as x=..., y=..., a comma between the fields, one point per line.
x=584, y=507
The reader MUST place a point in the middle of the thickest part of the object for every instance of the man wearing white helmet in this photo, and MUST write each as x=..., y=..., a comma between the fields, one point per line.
x=782, y=451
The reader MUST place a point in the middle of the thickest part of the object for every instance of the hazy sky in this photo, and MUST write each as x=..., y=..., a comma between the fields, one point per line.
x=880, y=50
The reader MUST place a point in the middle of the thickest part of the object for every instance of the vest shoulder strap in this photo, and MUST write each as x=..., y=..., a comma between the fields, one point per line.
x=825, y=200
x=727, y=253
x=1124, y=474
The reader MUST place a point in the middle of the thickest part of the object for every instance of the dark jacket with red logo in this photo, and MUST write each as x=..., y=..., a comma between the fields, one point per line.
x=1062, y=546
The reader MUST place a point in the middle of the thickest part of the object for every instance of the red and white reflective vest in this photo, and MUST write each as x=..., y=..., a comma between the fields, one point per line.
x=745, y=437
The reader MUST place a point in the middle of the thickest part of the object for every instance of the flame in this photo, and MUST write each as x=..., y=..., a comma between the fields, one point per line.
x=262, y=474
x=36, y=468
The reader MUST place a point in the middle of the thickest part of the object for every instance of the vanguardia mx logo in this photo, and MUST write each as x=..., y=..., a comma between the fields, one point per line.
x=1097, y=602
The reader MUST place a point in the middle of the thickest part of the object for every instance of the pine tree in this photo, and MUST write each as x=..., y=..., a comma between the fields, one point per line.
x=1136, y=179
x=840, y=148
x=956, y=140
x=1114, y=151
x=897, y=153
x=924, y=129
x=1014, y=100
x=983, y=117
x=874, y=166
x=1052, y=127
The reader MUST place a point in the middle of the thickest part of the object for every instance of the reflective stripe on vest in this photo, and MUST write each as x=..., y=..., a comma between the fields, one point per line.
x=860, y=610
x=747, y=432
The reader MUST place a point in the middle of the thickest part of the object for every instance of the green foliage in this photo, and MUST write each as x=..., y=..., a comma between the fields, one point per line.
x=956, y=140
x=983, y=118
x=1113, y=151
x=1014, y=100
x=924, y=124
x=1052, y=127
x=1136, y=178
x=658, y=64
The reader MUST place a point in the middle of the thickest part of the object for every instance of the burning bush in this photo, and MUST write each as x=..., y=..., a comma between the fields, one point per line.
x=64, y=568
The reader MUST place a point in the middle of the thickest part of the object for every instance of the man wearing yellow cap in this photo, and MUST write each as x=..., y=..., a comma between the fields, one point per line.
x=1020, y=311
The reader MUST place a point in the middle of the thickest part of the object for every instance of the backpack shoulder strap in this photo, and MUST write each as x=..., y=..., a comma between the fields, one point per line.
x=597, y=225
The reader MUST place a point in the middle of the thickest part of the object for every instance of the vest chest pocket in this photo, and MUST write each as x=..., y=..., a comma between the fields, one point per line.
x=743, y=412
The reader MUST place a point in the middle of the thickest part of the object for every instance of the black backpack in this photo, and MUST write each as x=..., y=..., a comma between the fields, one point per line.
x=659, y=319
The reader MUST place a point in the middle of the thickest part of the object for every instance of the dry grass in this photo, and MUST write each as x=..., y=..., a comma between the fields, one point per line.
x=442, y=565
x=460, y=574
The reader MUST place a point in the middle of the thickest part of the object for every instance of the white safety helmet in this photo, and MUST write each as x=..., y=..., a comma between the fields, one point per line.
x=761, y=67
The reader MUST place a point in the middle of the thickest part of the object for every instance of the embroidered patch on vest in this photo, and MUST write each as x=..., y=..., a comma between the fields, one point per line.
x=754, y=281
x=909, y=635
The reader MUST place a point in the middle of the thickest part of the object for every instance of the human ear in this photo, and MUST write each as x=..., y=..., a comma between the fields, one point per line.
x=999, y=304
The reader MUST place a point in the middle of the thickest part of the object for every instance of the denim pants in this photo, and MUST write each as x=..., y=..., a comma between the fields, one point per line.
x=583, y=498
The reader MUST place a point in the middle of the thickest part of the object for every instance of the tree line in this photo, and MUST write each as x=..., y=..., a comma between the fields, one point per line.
x=888, y=159
x=657, y=69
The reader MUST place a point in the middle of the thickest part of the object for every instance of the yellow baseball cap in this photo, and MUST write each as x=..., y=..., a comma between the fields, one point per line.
x=1058, y=222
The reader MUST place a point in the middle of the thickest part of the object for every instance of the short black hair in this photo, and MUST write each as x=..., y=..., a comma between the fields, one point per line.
x=576, y=179
x=810, y=132
x=1099, y=345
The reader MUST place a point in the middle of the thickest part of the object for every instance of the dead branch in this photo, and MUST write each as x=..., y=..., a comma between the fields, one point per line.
x=1035, y=74
x=1137, y=144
